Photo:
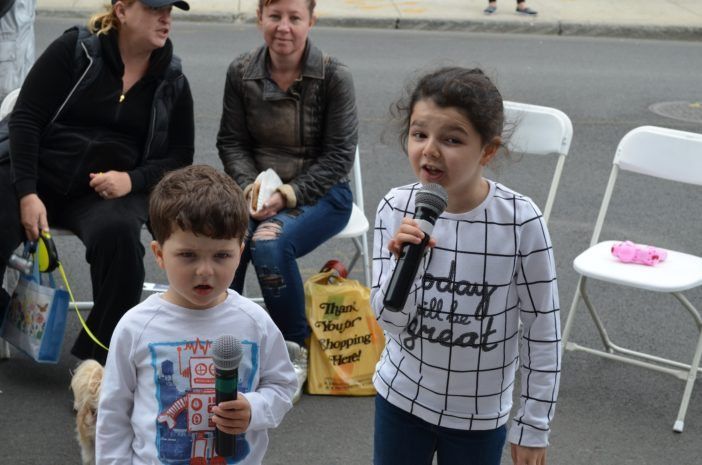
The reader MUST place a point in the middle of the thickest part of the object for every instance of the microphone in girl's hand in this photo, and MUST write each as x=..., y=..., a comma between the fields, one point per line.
x=429, y=202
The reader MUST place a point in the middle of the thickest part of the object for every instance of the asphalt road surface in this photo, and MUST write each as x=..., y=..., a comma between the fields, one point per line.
x=607, y=413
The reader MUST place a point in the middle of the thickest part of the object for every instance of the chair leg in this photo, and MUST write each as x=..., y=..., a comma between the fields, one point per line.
x=5, y=352
x=606, y=341
x=692, y=375
x=366, y=261
x=581, y=293
x=571, y=315
x=621, y=354
x=694, y=367
x=353, y=261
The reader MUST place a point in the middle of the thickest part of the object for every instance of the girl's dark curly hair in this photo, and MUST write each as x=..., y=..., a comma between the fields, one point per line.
x=469, y=91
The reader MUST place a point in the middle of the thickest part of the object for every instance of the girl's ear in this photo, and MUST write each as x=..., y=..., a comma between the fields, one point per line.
x=158, y=253
x=490, y=150
x=313, y=20
x=259, y=16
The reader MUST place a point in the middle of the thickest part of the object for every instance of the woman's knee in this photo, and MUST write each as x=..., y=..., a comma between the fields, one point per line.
x=118, y=236
x=268, y=243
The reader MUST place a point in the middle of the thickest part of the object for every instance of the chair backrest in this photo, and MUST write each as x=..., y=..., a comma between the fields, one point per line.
x=537, y=130
x=658, y=152
x=8, y=103
x=663, y=153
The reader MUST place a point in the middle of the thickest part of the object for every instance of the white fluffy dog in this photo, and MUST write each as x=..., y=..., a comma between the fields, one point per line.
x=85, y=385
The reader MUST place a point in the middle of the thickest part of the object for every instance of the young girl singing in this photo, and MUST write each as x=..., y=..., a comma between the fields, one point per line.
x=446, y=376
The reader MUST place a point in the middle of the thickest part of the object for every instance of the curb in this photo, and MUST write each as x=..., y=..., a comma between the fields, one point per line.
x=558, y=28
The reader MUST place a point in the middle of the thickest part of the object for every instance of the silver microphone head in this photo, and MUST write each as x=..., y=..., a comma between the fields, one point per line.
x=226, y=352
x=432, y=196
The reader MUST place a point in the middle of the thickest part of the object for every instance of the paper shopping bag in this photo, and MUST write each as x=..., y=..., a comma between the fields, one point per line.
x=346, y=340
x=35, y=320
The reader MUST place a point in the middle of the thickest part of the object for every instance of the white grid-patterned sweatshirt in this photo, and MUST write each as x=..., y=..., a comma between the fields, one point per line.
x=453, y=350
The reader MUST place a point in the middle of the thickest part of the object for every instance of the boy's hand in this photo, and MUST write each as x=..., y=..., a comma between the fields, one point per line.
x=409, y=232
x=522, y=455
x=233, y=416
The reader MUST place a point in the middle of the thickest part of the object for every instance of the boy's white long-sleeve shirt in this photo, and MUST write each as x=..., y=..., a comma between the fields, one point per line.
x=453, y=350
x=158, y=386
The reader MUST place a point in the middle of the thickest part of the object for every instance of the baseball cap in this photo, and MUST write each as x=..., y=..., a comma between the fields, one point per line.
x=183, y=5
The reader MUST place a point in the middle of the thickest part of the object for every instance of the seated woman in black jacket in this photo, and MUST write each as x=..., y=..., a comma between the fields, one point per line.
x=104, y=112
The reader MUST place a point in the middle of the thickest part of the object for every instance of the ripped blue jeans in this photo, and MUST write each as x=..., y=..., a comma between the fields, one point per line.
x=274, y=245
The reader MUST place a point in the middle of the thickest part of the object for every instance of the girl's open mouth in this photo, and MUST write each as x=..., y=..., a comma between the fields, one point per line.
x=432, y=173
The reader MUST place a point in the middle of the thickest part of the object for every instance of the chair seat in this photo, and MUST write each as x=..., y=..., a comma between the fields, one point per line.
x=679, y=271
x=58, y=232
x=357, y=225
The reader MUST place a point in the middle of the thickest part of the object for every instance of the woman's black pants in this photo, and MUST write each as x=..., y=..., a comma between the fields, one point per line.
x=110, y=231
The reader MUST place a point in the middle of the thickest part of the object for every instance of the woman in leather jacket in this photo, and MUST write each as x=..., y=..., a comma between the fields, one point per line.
x=104, y=112
x=289, y=107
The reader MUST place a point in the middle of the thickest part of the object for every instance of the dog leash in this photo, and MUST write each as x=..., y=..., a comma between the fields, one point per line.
x=48, y=261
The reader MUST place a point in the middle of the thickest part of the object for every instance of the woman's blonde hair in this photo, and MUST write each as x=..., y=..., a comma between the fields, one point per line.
x=102, y=23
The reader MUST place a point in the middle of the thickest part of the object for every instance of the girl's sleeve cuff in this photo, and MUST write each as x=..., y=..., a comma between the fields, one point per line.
x=523, y=435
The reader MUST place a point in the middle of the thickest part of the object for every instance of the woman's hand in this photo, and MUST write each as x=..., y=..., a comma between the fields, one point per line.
x=111, y=185
x=409, y=232
x=522, y=455
x=271, y=207
x=233, y=416
x=33, y=216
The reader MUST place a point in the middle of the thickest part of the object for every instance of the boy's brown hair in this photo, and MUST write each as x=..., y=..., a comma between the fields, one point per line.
x=199, y=199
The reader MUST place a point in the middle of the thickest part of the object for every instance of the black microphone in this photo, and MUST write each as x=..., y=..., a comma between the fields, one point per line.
x=226, y=355
x=430, y=201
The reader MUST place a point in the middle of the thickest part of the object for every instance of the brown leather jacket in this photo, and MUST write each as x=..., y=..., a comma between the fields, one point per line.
x=308, y=134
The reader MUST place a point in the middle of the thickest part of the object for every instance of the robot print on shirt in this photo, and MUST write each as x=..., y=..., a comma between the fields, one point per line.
x=185, y=390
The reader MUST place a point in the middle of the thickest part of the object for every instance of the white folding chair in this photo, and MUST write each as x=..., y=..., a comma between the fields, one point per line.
x=666, y=154
x=5, y=108
x=358, y=224
x=8, y=103
x=537, y=130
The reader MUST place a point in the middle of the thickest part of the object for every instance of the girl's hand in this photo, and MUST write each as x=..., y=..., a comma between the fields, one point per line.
x=408, y=233
x=111, y=185
x=233, y=416
x=33, y=216
x=271, y=207
x=522, y=455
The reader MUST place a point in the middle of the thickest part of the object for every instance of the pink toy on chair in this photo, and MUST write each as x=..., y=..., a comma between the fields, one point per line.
x=628, y=252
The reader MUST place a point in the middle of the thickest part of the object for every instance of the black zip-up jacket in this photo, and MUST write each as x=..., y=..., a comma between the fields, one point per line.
x=307, y=134
x=72, y=119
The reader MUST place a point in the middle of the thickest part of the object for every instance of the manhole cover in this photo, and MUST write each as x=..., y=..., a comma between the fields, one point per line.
x=684, y=111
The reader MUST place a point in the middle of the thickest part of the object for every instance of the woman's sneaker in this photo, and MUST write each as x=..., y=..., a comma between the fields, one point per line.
x=298, y=357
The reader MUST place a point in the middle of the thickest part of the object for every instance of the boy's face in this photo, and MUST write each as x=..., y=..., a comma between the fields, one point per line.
x=199, y=268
